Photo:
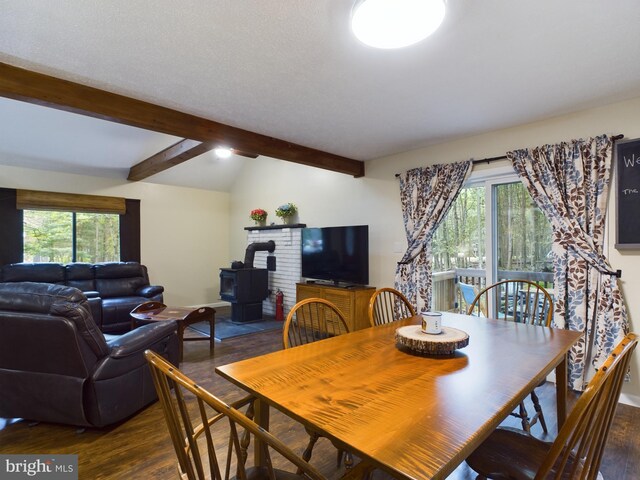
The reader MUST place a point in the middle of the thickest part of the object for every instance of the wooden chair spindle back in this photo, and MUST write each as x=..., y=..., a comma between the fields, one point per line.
x=311, y=320
x=388, y=305
x=584, y=434
x=577, y=451
x=187, y=425
x=519, y=301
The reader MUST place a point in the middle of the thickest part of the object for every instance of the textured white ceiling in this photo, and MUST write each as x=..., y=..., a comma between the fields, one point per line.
x=292, y=70
x=65, y=141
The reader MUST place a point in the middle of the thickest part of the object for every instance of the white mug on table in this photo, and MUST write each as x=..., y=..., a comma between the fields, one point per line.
x=432, y=322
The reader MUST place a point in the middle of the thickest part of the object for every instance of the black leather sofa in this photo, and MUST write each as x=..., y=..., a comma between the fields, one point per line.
x=112, y=289
x=57, y=366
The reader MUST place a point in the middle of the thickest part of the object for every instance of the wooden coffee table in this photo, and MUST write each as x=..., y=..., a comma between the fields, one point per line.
x=184, y=316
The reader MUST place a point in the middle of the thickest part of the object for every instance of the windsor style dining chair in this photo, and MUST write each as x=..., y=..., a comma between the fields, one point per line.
x=311, y=320
x=388, y=305
x=519, y=301
x=308, y=321
x=577, y=450
x=195, y=432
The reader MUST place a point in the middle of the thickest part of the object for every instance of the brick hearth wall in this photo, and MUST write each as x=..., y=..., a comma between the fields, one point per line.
x=288, y=265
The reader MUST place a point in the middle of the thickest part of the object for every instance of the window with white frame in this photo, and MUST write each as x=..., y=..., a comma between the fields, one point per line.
x=492, y=232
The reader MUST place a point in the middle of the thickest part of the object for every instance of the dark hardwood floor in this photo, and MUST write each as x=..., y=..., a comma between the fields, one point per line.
x=140, y=448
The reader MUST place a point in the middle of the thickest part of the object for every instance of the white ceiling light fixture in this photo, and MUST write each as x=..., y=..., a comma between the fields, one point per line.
x=395, y=23
x=222, y=152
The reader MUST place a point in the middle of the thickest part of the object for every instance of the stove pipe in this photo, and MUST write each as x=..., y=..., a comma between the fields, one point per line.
x=250, y=253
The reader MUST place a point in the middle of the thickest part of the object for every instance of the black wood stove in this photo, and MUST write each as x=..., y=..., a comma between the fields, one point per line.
x=246, y=287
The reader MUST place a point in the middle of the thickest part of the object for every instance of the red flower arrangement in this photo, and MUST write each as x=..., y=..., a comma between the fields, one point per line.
x=259, y=215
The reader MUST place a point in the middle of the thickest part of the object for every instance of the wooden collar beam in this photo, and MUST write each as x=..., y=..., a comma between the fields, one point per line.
x=174, y=155
x=37, y=88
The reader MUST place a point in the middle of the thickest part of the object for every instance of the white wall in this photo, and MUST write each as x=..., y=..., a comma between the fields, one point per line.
x=323, y=199
x=184, y=232
x=326, y=198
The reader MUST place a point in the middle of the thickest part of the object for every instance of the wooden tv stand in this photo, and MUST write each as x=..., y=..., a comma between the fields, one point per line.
x=353, y=302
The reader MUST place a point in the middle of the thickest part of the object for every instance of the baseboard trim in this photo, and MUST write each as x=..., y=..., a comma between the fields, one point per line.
x=625, y=398
x=632, y=400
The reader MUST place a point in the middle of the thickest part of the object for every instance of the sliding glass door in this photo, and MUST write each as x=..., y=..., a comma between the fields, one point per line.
x=492, y=232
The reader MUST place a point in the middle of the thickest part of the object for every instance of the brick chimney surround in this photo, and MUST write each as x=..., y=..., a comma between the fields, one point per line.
x=288, y=262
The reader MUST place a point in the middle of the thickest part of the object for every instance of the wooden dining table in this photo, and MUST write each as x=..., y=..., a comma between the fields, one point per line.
x=414, y=417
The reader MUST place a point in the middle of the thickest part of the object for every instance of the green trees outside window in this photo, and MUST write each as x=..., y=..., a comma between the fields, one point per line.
x=522, y=239
x=51, y=236
x=523, y=233
x=459, y=241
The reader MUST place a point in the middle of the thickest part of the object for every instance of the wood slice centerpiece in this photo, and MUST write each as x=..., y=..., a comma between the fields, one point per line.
x=412, y=339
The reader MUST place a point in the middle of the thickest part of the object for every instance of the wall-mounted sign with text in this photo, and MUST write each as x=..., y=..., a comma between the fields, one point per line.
x=628, y=194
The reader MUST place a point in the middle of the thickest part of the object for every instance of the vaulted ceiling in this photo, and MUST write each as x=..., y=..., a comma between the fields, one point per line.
x=291, y=71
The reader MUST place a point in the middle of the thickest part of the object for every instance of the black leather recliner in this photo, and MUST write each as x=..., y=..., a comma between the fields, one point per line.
x=122, y=287
x=57, y=366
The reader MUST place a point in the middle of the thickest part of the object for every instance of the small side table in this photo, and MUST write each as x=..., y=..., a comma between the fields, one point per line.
x=184, y=316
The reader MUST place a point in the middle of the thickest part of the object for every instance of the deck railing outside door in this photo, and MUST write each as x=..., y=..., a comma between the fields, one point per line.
x=447, y=297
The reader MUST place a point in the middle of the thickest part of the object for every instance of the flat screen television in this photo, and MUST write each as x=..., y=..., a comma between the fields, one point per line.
x=336, y=254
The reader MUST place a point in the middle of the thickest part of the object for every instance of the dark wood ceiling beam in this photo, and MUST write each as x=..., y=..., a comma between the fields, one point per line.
x=25, y=85
x=174, y=155
x=244, y=154
x=169, y=157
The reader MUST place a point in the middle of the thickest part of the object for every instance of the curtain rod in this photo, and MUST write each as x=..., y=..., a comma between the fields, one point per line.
x=482, y=160
x=504, y=157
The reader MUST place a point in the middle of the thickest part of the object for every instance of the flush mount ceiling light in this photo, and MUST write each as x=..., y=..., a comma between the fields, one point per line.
x=395, y=23
x=222, y=152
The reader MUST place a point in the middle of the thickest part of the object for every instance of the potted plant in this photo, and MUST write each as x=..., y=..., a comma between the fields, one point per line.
x=259, y=216
x=286, y=211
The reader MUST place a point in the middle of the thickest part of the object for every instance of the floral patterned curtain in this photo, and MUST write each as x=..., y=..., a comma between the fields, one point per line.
x=426, y=194
x=569, y=182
